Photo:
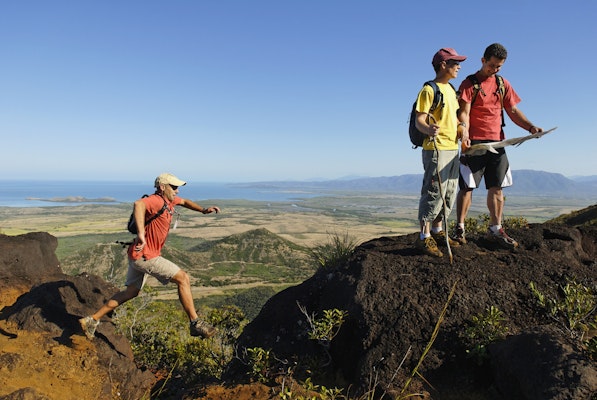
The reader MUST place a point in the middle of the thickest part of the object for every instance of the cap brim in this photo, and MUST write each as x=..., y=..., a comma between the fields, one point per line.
x=177, y=182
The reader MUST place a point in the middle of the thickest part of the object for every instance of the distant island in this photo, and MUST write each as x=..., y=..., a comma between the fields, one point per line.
x=74, y=199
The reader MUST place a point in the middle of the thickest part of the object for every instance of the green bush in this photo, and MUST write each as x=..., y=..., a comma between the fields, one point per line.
x=575, y=308
x=335, y=252
x=480, y=224
x=484, y=329
x=260, y=363
x=159, y=335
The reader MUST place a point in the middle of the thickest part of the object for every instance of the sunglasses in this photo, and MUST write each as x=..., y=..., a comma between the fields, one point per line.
x=173, y=187
x=452, y=62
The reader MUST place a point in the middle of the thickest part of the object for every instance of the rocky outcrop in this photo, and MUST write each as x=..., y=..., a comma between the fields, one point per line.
x=394, y=297
x=53, y=304
x=540, y=364
x=28, y=259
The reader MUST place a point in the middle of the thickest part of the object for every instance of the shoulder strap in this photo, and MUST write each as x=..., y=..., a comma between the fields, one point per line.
x=158, y=213
x=501, y=92
x=437, y=96
x=476, y=86
x=500, y=84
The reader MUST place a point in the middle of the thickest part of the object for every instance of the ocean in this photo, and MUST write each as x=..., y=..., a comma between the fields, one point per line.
x=71, y=193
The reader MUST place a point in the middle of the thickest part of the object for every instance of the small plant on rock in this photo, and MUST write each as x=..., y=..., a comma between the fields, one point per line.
x=484, y=329
x=335, y=252
x=325, y=328
x=260, y=361
x=575, y=309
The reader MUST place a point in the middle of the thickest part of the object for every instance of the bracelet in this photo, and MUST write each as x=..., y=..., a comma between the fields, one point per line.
x=531, y=128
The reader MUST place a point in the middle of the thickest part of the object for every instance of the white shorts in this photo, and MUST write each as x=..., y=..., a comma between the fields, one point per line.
x=158, y=267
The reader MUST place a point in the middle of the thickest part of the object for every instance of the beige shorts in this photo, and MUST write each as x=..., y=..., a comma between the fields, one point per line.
x=160, y=268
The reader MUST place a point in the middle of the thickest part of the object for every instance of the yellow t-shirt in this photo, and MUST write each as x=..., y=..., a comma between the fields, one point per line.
x=445, y=117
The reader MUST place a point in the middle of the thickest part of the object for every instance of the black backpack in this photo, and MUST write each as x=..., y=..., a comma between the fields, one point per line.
x=477, y=88
x=132, y=225
x=416, y=136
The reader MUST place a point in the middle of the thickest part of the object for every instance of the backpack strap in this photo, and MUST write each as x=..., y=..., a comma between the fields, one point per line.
x=476, y=87
x=438, y=97
x=164, y=207
x=501, y=90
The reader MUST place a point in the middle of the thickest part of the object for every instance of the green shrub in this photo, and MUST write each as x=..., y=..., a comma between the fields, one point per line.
x=335, y=252
x=260, y=363
x=575, y=308
x=159, y=335
x=480, y=224
x=484, y=329
x=325, y=328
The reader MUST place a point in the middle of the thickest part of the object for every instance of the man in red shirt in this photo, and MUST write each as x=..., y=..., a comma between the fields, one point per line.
x=483, y=98
x=145, y=255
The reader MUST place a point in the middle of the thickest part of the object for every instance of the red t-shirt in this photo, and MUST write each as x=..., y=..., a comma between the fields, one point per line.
x=486, y=112
x=157, y=230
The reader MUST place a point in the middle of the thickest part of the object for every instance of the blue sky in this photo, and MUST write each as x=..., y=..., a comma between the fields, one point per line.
x=239, y=91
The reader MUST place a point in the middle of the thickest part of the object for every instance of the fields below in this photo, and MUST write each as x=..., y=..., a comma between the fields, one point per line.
x=218, y=250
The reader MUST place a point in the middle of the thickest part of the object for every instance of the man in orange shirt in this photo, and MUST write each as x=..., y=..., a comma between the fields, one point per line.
x=145, y=255
x=482, y=102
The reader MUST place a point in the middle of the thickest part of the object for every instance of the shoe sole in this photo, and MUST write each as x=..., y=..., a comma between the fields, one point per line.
x=425, y=251
x=432, y=254
x=502, y=243
x=204, y=335
x=84, y=326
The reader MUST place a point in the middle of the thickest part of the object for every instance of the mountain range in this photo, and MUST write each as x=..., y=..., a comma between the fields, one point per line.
x=526, y=183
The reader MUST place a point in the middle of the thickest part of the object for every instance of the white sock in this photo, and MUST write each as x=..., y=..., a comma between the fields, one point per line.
x=495, y=228
x=423, y=235
x=436, y=229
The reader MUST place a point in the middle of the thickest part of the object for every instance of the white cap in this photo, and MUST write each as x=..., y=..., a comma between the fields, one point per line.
x=168, y=179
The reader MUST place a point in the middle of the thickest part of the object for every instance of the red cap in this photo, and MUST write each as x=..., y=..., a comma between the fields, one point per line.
x=446, y=54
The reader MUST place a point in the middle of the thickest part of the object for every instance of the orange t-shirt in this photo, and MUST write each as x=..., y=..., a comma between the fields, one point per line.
x=485, y=121
x=157, y=230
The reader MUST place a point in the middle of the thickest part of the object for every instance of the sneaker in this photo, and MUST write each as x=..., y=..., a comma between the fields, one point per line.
x=428, y=246
x=201, y=328
x=459, y=236
x=440, y=239
x=502, y=239
x=89, y=326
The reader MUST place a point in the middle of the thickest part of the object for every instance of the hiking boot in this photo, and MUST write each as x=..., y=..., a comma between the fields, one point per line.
x=201, y=328
x=502, y=239
x=459, y=236
x=89, y=326
x=428, y=246
x=440, y=239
